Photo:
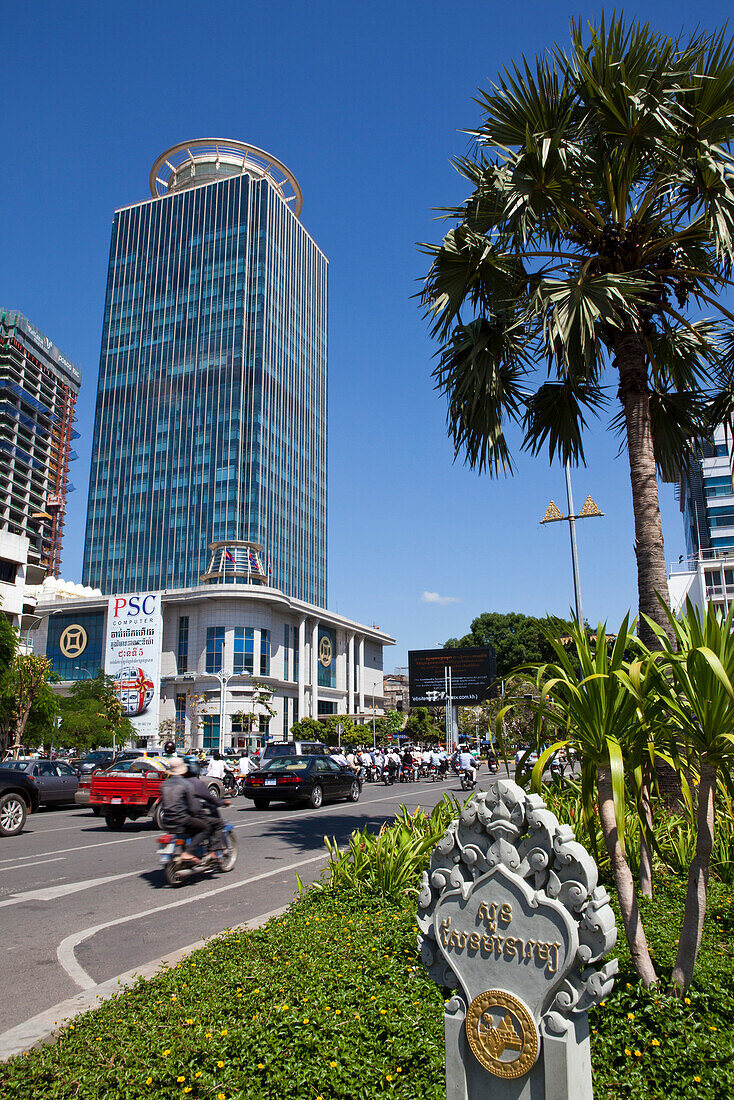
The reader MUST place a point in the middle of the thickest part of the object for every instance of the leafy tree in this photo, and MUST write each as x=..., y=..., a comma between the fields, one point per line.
x=421, y=727
x=18, y=676
x=91, y=715
x=516, y=639
x=307, y=729
x=600, y=223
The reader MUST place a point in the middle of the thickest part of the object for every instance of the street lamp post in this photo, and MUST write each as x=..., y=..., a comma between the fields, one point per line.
x=553, y=515
x=78, y=668
x=224, y=678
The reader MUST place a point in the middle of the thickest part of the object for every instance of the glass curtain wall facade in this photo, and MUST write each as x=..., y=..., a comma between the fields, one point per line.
x=211, y=406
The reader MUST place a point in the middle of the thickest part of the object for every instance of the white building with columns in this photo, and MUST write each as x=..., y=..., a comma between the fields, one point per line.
x=227, y=647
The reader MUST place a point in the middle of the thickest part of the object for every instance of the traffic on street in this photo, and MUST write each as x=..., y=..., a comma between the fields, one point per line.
x=83, y=903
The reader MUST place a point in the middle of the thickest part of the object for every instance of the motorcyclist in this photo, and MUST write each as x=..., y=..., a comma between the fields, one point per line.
x=217, y=767
x=210, y=803
x=467, y=763
x=182, y=810
x=169, y=749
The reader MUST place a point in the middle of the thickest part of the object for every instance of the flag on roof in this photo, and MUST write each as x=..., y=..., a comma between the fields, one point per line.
x=230, y=556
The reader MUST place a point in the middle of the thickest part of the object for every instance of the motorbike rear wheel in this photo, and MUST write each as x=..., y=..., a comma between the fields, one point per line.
x=172, y=872
x=228, y=857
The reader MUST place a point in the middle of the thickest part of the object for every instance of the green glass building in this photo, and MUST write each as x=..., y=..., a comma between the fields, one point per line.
x=211, y=416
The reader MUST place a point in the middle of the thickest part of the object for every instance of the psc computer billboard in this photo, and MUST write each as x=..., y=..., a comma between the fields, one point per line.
x=473, y=672
x=133, y=657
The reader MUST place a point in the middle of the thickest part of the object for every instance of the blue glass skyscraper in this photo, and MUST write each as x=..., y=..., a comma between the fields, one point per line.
x=211, y=409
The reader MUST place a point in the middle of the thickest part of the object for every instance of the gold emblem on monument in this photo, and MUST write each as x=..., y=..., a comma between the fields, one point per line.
x=73, y=641
x=502, y=1033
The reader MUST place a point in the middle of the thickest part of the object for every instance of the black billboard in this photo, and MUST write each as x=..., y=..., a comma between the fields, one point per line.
x=473, y=672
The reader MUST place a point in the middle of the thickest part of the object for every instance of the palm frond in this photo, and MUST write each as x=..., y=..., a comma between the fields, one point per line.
x=482, y=372
x=556, y=416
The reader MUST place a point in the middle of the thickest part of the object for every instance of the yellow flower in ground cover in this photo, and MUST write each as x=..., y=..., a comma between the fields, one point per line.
x=223, y=1032
x=655, y=1043
x=332, y=1064
x=180, y=1079
x=627, y=1052
x=697, y=1079
x=220, y=1063
x=149, y=1080
x=260, y=1065
x=165, y=1053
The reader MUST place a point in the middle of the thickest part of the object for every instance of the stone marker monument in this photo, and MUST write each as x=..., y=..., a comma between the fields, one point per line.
x=512, y=919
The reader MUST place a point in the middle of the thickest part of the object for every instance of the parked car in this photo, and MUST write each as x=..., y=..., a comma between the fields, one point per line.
x=56, y=780
x=310, y=780
x=19, y=796
x=93, y=760
x=291, y=748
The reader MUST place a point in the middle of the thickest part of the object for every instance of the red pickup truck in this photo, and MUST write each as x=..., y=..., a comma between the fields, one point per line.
x=132, y=790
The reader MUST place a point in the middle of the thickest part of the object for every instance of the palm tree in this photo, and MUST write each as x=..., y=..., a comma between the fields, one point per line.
x=599, y=225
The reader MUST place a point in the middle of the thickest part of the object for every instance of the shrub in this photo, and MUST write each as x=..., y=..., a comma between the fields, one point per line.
x=388, y=864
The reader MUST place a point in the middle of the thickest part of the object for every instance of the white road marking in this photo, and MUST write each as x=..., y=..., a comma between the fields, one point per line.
x=268, y=816
x=37, y=863
x=49, y=893
x=65, y=950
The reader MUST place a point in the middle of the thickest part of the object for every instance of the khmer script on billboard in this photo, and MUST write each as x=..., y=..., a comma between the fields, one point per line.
x=133, y=657
x=473, y=672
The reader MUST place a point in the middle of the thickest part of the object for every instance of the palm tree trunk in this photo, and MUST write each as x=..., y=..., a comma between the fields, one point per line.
x=645, y=876
x=624, y=883
x=698, y=878
x=652, y=576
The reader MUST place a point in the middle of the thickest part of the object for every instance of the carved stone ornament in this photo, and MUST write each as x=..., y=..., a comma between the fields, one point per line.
x=512, y=918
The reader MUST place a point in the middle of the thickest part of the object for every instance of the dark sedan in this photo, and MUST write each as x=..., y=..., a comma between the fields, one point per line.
x=100, y=758
x=18, y=797
x=309, y=780
x=56, y=781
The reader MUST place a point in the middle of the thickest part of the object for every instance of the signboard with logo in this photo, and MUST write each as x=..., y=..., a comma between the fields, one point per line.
x=326, y=656
x=74, y=643
x=472, y=674
x=133, y=656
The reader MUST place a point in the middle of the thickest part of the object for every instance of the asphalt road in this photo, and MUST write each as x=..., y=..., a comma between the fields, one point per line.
x=80, y=904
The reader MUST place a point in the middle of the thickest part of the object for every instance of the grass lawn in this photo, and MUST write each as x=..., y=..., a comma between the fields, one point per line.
x=331, y=1001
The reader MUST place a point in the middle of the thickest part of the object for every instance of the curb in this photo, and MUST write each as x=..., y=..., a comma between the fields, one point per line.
x=44, y=1026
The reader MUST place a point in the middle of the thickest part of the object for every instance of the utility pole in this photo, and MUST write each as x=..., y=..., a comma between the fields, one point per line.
x=553, y=515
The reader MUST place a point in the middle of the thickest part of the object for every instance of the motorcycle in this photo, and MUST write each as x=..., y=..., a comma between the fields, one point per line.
x=468, y=781
x=389, y=774
x=176, y=870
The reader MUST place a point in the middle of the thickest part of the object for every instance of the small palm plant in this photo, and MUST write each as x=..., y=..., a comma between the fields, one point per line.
x=696, y=691
x=593, y=696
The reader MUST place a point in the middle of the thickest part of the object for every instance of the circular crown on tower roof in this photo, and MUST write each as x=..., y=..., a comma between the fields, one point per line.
x=206, y=160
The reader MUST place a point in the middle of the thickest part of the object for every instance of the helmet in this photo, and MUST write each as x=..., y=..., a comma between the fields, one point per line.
x=194, y=768
x=169, y=748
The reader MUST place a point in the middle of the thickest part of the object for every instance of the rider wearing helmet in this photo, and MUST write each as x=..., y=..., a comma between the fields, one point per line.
x=182, y=810
x=169, y=749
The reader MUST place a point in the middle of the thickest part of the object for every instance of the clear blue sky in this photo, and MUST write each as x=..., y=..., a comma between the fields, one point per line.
x=365, y=103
